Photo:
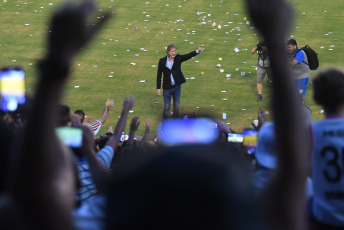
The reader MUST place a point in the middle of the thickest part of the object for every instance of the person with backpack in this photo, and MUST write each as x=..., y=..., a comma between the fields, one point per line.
x=299, y=65
x=263, y=66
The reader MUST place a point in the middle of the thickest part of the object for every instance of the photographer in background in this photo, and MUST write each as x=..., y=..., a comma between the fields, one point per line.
x=263, y=66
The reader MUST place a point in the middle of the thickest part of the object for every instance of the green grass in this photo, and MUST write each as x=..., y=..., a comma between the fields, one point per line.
x=159, y=25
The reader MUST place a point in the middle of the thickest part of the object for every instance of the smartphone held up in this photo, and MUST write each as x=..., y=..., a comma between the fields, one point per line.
x=12, y=88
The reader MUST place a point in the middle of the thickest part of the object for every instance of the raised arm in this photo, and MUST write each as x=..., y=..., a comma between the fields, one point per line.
x=127, y=105
x=109, y=103
x=285, y=198
x=145, y=135
x=254, y=49
x=134, y=125
x=41, y=177
x=100, y=173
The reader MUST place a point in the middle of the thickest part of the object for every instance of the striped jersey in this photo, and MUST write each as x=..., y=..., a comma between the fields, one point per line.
x=88, y=188
x=95, y=126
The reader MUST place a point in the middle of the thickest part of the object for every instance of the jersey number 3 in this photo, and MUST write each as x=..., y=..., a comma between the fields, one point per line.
x=334, y=172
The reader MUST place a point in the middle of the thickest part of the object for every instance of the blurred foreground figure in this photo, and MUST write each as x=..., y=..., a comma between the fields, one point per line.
x=328, y=154
x=41, y=177
x=183, y=187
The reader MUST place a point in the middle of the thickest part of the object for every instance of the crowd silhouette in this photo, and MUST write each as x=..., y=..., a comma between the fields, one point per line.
x=112, y=182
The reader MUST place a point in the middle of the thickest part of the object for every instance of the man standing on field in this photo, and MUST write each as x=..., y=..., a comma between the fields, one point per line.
x=170, y=67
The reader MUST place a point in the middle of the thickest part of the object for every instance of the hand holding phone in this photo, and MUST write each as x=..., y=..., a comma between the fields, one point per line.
x=71, y=137
x=235, y=137
x=187, y=131
x=250, y=137
x=12, y=88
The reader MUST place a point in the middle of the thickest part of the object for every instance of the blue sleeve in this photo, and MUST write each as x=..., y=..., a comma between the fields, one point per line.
x=300, y=56
x=105, y=156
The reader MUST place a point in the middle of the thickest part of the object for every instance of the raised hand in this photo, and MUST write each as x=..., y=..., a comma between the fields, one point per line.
x=271, y=17
x=71, y=29
x=148, y=126
x=129, y=102
x=262, y=118
x=134, y=125
x=109, y=103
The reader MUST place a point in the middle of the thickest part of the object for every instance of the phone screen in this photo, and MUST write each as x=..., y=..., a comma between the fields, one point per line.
x=250, y=137
x=187, y=131
x=70, y=136
x=235, y=137
x=12, y=89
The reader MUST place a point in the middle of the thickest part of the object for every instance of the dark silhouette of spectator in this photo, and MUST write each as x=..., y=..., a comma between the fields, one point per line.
x=199, y=186
x=40, y=177
x=327, y=206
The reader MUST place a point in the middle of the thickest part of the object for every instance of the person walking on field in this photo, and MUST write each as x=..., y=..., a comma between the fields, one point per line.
x=170, y=67
x=298, y=61
x=263, y=66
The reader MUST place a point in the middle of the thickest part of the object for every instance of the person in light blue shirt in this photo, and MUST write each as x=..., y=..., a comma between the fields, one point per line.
x=327, y=208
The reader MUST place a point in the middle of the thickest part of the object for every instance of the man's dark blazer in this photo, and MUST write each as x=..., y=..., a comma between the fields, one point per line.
x=176, y=70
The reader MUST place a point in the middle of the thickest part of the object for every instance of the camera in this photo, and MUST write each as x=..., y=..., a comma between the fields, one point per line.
x=260, y=45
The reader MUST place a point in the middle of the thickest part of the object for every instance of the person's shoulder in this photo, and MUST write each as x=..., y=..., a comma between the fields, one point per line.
x=96, y=122
x=299, y=52
x=162, y=60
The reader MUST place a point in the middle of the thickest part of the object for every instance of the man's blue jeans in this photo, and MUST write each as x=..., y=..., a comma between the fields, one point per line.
x=168, y=94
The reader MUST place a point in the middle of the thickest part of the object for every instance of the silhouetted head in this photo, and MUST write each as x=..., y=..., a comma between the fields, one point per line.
x=64, y=115
x=181, y=187
x=328, y=86
x=81, y=114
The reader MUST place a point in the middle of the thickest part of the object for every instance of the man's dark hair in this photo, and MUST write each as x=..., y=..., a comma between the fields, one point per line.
x=292, y=42
x=328, y=88
x=170, y=46
x=64, y=115
x=80, y=113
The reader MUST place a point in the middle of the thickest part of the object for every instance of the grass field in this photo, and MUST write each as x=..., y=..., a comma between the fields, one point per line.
x=139, y=32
